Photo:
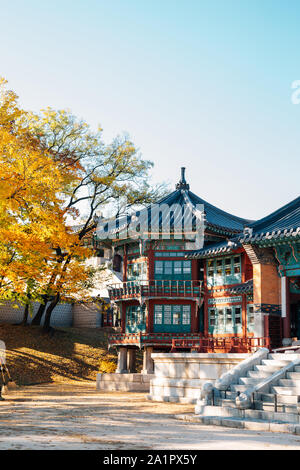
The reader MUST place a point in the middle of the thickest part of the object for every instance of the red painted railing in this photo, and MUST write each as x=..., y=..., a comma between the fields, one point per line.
x=221, y=344
x=190, y=341
x=164, y=339
x=155, y=288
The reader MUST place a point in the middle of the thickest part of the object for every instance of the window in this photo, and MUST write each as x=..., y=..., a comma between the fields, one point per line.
x=169, y=254
x=176, y=314
x=176, y=270
x=136, y=271
x=135, y=318
x=177, y=267
x=187, y=267
x=212, y=317
x=167, y=314
x=225, y=319
x=222, y=271
x=238, y=315
x=186, y=314
x=168, y=267
x=159, y=267
x=158, y=314
x=168, y=318
x=250, y=318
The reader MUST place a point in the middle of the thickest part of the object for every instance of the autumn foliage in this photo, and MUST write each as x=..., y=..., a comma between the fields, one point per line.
x=54, y=172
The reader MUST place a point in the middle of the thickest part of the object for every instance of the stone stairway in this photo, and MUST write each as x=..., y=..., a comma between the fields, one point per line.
x=276, y=408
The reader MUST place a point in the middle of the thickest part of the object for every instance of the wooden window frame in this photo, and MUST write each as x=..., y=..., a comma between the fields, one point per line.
x=215, y=279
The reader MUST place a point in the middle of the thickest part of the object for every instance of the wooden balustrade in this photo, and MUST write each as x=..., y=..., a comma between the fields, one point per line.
x=155, y=288
x=192, y=341
x=221, y=344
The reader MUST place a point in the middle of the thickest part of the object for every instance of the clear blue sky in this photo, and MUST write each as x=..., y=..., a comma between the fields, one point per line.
x=200, y=84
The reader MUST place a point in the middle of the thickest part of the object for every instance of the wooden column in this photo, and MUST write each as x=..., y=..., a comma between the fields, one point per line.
x=125, y=264
x=123, y=316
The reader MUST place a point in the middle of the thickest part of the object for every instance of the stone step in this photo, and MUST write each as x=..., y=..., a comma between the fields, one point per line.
x=254, y=425
x=264, y=415
x=225, y=402
x=267, y=368
x=289, y=383
x=288, y=391
x=258, y=374
x=284, y=356
x=293, y=375
x=249, y=380
x=278, y=362
x=281, y=399
x=282, y=408
x=228, y=395
x=238, y=387
x=166, y=398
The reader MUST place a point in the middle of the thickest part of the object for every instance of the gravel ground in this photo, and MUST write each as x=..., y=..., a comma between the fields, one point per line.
x=76, y=416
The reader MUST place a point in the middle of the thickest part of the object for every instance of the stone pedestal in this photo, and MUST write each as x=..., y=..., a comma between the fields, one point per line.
x=122, y=361
x=180, y=376
x=123, y=383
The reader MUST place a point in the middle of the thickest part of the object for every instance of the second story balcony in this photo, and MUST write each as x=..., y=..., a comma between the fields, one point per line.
x=155, y=289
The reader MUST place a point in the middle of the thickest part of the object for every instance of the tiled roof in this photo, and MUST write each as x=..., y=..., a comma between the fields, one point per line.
x=243, y=288
x=216, y=249
x=216, y=219
x=281, y=224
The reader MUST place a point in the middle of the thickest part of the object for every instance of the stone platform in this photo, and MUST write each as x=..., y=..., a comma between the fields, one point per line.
x=124, y=382
x=178, y=377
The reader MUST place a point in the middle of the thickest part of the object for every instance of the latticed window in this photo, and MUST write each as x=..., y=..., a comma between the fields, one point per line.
x=136, y=271
x=225, y=319
x=226, y=270
x=176, y=270
x=170, y=318
x=250, y=317
x=186, y=314
x=135, y=318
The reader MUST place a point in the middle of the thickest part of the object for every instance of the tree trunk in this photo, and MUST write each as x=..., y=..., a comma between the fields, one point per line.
x=38, y=317
x=49, y=311
x=25, y=316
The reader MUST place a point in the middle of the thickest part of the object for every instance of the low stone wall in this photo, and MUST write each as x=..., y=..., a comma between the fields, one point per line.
x=178, y=377
x=11, y=312
x=123, y=382
x=64, y=315
x=87, y=316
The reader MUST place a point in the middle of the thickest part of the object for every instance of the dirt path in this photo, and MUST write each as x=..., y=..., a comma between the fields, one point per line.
x=73, y=416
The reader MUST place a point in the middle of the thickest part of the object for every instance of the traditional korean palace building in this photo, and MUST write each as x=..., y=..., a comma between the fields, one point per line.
x=238, y=291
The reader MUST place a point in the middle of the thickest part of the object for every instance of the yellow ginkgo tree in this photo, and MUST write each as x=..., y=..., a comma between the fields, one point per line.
x=53, y=170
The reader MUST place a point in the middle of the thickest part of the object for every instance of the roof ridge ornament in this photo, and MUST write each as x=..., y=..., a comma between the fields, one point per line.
x=182, y=183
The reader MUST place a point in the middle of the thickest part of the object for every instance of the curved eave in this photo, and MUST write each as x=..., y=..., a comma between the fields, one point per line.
x=274, y=237
x=214, y=251
x=243, y=288
x=221, y=230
